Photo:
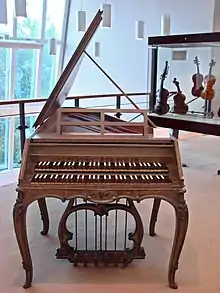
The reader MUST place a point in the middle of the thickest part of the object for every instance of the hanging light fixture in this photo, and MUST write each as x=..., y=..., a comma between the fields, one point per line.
x=106, y=21
x=140, y=29
x=3, y=12
x=53, y=46
x=97, y=49
x=165, y=24
x=20, y=8
x=81, y=19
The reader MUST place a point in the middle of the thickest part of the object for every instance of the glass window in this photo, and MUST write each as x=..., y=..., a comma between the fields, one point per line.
x=4, y=73
x=49, y=70
x=25, y=73
x=17, y=145
x=4, y=139
x=54, y=19
x=30, y=26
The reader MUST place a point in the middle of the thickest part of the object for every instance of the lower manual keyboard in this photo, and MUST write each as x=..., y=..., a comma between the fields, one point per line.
x=143, y=178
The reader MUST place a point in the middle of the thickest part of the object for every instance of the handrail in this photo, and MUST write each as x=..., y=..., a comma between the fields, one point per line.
x=39, y=100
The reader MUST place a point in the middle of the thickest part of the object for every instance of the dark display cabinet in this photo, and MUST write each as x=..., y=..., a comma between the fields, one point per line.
x=184, y=82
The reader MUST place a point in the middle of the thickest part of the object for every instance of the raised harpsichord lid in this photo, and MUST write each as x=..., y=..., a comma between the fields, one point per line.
x=65, y=82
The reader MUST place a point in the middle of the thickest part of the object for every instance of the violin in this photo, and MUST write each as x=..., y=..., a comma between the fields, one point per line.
x=208, y=93
x=197, y=79
x=163, y=107
x=180, y=107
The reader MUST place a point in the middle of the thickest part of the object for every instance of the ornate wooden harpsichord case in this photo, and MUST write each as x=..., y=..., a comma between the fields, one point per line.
x=101, y=165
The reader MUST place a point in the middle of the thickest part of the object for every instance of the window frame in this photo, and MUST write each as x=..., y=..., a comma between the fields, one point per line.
x=13, y=43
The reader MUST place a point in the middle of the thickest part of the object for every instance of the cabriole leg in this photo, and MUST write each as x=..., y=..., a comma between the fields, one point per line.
x=153, y=219
x=182, y=216
x=44, y=215
x=19, y=218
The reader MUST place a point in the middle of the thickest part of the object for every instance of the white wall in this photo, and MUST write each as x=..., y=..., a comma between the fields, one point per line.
x=125, y=58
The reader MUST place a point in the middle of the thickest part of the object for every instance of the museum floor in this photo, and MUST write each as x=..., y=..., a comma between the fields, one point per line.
x=199, y=263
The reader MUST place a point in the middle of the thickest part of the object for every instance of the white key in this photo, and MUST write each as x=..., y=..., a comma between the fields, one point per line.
x=78, y=176
x=71, y=177
x=104, y=177
x=79, y=164
x=147, y=177
x=116, y=177
x=84, y=163
x=69, y=164
x=89, y=177
x=73, y=163
x=155, y=164
x=140, y=164
x=124, y=177
x=40, y=163
x=54, y=163
x=56, y=176
x=98, y=164
x=90, y=164
x=36, y=176
x=119, y=163
x=145, y=165
x=63, y=176
x=159, y=164
x=94, y=163
x=109, y=163
x=148, y=164
x=162, y=177
x=45, y=176
x=83, y=176
x=67, y=176
x=134, y=164
x=98, y=177
x=105, y=164
x=48, y=163
x=123, y=163
x=142, y=176
x=158, y=177
x=51, y=176
x=151, y=177
x=129, y=163
x=93, y=177
x=40, y=176
x=110, y=177
x=44, y=163
x=65, y=163
x=120, y=176
x=131, y=177
x=115, y=164
x=58, y=163
x=135, y=176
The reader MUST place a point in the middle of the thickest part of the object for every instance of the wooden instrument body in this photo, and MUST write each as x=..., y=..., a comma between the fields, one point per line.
x=163, y=107
x=209, y=93
x=197, y=80
x=180, y=107
x=197, y=88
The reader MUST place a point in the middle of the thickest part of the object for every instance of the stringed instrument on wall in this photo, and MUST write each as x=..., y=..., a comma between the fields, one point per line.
x=197, y=79
x=163, y=107
x=180, y=107
x=209, y=93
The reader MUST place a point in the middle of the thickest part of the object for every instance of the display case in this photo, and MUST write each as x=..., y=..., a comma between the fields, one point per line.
x=184, y=81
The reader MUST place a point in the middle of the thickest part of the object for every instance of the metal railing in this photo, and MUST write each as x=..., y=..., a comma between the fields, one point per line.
x=22, y=102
